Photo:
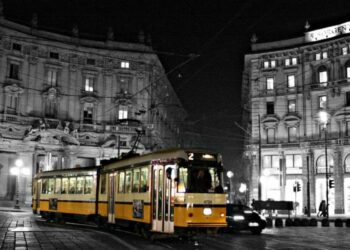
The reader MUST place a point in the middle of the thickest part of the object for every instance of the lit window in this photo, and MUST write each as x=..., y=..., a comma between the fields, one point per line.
x=318, y=56
x=287, y=62
x=136, y=180
x=291, y=81
x=273, y=63
x=266, y=64
x=294, y=61
x=348, y=72
x=124, y=65
x=345, y=50
x=269, y=83
x=293, y=161
x=88, y=112
x=292, y=134
x=123, y=112
x=324, y=55
x=52, y=77
x=89, y=84
x=271, y=161
x=323, y=76
x=270, y=108
x=291, y=106
x=322, y=100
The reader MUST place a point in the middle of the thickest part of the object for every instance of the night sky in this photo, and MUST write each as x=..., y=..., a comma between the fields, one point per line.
x=218, y=31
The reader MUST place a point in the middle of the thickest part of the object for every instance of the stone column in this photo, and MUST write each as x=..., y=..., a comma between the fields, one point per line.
x=312, y=164
x=338, y=181
x=254, y=177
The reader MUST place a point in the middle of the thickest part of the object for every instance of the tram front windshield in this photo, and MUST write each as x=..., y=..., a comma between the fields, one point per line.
x=199, y=179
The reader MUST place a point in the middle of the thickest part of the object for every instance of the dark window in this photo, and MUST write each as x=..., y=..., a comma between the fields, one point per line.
x=347, y=98
x=54, y=55
x=270, y=109
x=90, y=61
x=14, y=71
x=16, y=46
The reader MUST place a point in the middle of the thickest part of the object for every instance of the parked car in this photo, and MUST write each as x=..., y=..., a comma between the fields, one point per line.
x=241, y=217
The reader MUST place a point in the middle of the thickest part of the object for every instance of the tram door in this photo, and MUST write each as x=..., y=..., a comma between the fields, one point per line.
x=37, y=196
x=162, y=205
x=111, y=192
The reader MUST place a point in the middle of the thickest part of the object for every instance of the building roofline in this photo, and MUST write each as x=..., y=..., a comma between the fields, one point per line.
x=57, y=37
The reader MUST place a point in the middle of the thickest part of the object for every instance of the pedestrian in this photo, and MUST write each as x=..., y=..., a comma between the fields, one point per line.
x=321, y=208
x=306, y=211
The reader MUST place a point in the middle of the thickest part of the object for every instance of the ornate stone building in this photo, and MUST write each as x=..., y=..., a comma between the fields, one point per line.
x=68, y=102
x=286, y=86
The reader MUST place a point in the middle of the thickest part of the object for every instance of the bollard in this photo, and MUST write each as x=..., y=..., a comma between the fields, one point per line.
x=268, y=222
x=289, y=222
x=338, y=223
x=325, y=222
x=296, y=222
x=278, y=222
x=305, y=222
x=313, y=222
x=347, y=222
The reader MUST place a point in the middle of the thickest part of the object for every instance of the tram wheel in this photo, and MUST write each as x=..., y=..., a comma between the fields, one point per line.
x=145, y=233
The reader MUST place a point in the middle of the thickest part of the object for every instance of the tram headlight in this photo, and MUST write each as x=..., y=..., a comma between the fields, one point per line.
x=207, y=211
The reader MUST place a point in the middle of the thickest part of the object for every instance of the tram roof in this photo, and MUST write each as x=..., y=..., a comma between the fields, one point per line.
x=164, y=154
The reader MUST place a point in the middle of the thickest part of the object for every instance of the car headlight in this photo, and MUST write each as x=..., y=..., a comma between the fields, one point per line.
x=238, y=217
x=207, y=211
x=247, y=211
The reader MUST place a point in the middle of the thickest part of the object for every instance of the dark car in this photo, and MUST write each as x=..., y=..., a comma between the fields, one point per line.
x=241, y=217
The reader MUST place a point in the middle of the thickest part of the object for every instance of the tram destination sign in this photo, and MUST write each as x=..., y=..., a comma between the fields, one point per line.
x=326, y=33
x=201, y=157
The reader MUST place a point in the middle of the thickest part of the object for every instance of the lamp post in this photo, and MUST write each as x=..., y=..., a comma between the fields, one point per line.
x=324, y=119
x=17, y=170
x=229, y=175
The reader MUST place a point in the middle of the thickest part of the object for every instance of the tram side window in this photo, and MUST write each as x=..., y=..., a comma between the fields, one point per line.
x=45, y=186
x=51, y=186
x=103, y=184
x=135, y=180
x=64, y=186
x=80, y=185
x=183, y=175
x=72, y=185
x=88, y=185
x=128, y=181
x=144, y=180
x=58, y=186
x=121, y=182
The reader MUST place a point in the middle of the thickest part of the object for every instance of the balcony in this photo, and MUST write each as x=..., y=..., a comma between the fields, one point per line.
x=320, y=85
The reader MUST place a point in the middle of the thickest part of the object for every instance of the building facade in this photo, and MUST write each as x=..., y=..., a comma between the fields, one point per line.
x=287, y=87
x=68, y=102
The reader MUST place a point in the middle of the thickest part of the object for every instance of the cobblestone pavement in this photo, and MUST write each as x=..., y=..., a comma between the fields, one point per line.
x=22, y=230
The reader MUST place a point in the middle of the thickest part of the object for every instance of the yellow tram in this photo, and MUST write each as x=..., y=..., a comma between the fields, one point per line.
x=171, y=191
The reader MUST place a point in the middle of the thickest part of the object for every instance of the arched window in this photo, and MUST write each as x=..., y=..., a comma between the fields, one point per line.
x=322, y=74
x=321, y=166
x=347, y=164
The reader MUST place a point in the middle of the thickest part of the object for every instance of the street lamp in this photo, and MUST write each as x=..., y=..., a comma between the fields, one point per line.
x=17, y=170
x=323, y=115
x=229, y=175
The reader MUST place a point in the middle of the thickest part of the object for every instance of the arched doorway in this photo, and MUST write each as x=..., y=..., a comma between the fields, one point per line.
x=321, y=183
